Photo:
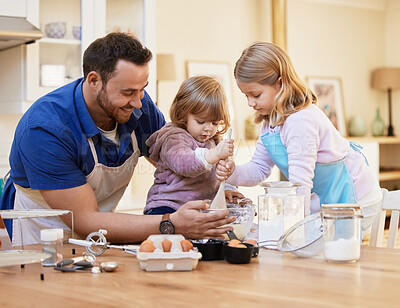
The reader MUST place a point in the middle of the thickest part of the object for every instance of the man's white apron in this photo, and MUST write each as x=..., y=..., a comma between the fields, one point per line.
x=108, y=184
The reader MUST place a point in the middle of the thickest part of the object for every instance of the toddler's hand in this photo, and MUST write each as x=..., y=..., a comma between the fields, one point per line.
x=224, y=149
x=224, y=169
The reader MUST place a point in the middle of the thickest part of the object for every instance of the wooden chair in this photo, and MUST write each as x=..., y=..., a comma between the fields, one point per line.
x=390, y=201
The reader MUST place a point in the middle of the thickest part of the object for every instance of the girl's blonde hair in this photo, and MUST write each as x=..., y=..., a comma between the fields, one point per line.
x=202, y=96
x=266, y=64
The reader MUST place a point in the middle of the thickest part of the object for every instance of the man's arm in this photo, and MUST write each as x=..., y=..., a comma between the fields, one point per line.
x=129, y=228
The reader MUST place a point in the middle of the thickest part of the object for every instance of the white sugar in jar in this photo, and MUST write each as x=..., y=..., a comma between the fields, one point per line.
x=342, y=250
x=342, y=232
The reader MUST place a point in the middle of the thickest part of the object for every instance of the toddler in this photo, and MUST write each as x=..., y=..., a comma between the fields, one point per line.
x=187, y=149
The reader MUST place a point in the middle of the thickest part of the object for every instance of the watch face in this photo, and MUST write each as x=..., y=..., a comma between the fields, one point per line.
x=167, y=227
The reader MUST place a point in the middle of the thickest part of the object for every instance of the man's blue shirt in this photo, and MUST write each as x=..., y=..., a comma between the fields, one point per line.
x=50, y=148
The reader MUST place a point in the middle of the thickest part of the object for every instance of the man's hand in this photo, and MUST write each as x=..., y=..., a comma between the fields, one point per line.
x=189, y=221
x=224, y=169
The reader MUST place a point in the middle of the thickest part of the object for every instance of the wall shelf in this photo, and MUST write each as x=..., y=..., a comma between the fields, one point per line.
x=389, y=175
x=48, y=40
x=387, y=158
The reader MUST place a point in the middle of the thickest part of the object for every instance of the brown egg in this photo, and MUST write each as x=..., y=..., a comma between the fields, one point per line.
x=234, y=242
x=147, y=246
x=240, y=246
x=186, y=245
x=166, y=245
x=252, y=242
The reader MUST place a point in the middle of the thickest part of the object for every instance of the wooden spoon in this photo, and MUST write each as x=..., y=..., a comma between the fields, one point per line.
x=219, y=201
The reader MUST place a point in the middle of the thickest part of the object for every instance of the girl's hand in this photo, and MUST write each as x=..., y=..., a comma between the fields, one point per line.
x=224, y=169
x=233, y=196
x=223, y=150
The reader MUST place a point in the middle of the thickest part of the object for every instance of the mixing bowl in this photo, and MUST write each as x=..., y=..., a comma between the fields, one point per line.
x=244, y=217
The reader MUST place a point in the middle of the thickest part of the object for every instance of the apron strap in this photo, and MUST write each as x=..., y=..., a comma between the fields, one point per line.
x=357, y=147
x=93, y=149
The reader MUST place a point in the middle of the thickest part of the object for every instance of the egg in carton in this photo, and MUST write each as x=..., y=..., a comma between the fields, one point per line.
x=167, y=252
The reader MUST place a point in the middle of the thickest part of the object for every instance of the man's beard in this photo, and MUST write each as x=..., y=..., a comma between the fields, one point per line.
x=105, y=104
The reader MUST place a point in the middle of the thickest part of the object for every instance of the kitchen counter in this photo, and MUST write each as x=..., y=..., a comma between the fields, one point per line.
x=273, y=279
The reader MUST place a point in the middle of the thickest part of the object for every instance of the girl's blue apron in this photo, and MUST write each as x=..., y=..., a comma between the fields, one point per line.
x=332, y=182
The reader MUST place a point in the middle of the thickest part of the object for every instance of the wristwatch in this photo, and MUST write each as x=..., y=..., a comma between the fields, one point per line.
x=166, y=226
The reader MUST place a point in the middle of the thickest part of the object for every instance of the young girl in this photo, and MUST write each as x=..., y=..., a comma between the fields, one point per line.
x=298, y=137
x=185, y=150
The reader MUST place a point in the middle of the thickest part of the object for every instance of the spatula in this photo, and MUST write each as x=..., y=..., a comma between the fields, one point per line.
x=219, y=201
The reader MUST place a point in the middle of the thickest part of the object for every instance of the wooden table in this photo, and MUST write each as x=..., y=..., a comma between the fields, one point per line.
x=273, y=279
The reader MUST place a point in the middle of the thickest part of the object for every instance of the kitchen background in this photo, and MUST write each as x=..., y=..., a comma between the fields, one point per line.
x=344, y=39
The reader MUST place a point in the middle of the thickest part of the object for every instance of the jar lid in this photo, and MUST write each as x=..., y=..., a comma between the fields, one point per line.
x=60, y=233
x=280, y=184
x=341, y=210
x=344, y=206
x=47, y=235
x=281, y=188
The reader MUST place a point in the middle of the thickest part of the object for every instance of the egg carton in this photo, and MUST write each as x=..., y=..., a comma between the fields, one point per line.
x=175, y=260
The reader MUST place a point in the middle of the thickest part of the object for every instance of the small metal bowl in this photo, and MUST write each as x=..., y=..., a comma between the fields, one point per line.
x=108, y=266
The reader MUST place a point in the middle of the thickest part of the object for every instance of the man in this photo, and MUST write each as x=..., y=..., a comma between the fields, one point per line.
x=76, y=149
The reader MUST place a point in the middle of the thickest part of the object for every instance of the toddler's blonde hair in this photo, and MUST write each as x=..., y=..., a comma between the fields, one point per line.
x=201, y=96
x=265, y=63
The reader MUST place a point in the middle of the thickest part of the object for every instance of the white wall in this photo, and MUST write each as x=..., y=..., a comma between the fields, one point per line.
x=332, y=38
x=209, y=30
x=344, y=39
x=392, y=57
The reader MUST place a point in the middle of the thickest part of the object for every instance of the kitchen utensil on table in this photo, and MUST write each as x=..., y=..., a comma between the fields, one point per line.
x=219, y=201
x=231, y=235
x=96, y=243
x=236, y=255
x=210, y=249
x=78, y=263
x=86, y=257
x=108, y=266
x=278, y=209
x=244, y=214
x=80, y=267
x=304, y=239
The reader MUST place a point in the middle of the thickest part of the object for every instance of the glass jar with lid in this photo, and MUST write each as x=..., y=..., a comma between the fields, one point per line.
x=342, y=232
x=278, y=209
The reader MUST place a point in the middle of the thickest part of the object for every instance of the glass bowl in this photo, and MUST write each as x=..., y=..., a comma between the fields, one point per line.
x=244, y=214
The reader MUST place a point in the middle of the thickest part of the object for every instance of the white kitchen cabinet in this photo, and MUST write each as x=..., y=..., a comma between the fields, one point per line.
x=96, y=17
x=15, y=8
